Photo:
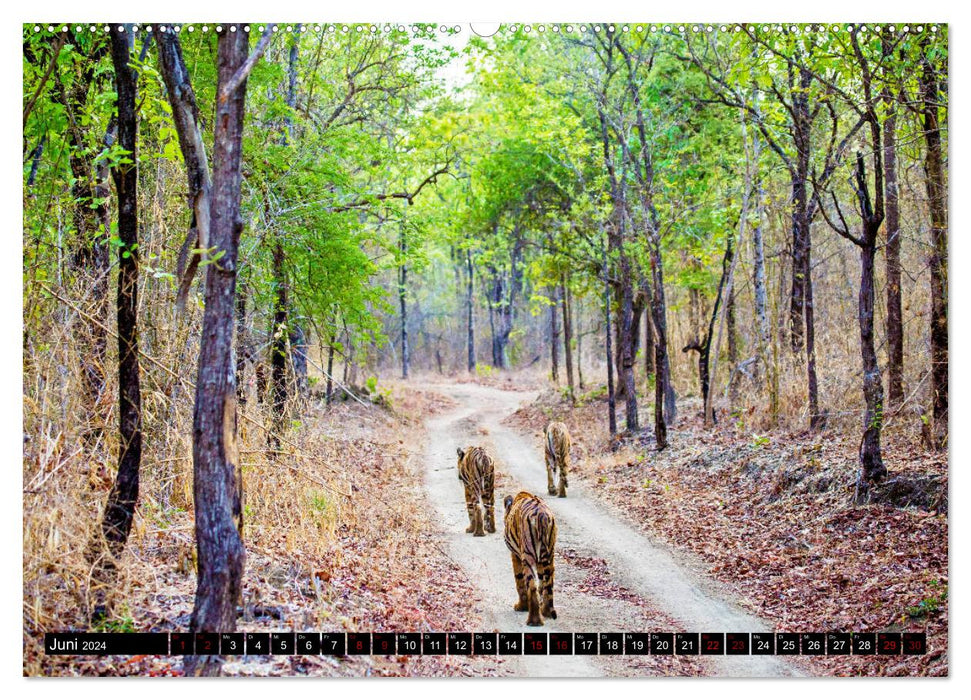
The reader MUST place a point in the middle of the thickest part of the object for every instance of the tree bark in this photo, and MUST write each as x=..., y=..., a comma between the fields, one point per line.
x=567, y=333
x=120, y=508
x=611, y=399
x=616, y=235
x=555, y=338
x=731, y=329
x=648, y=333
x=801, y=128
x=937, y=203
x=330, y=368
x=188, y=126
x=895, y=326
x=280, y=333
x=217, y=482
x=402, y=300
x=470, y=308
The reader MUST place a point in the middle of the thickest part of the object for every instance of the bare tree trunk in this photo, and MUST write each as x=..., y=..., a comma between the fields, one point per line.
x=330, y=368
x=470, y=306
x=895, y=326
x=731, y=329
x=120, y=508
x=578, y=319
x=242, y=345
x=217, y=481
x=648, y=333
x=402, y=300
x=611, y=400
x=662, y=378
x=758, y=260
x=188, y=126
x=555, y=338
x=280, y=334
x=801, y=246
x=937, y=203
x=567, y=333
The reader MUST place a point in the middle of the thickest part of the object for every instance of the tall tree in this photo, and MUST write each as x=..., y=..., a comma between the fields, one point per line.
x=120, y=508
x=895, y=325
x=930, y=103
x=872, y=212
x=217, y=477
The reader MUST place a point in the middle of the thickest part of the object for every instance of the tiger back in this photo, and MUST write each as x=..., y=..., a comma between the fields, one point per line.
x=530, y=534
x=557, y=454
x=477, y=472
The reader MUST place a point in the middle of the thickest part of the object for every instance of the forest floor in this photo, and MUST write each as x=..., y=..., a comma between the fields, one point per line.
x=359, y=525
x=371, y=561
x=770, y=517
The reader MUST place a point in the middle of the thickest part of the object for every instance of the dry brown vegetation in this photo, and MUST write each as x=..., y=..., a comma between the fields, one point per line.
x=771, y=515
x=336, y=536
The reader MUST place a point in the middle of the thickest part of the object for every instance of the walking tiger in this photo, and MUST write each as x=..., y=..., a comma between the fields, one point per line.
x=557, y=457
x=530, y=534
x=477, y=472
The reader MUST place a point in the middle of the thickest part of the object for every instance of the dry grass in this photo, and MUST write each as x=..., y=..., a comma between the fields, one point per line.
x=334, y=526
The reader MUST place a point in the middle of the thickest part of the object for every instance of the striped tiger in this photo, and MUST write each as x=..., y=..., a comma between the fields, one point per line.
x=557, y=457
x=477, y=472
x=530, y=535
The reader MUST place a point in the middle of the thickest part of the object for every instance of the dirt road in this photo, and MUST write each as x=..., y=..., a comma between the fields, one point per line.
x=609, y=576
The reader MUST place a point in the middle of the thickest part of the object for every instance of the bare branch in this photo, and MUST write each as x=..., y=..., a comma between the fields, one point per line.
x=244, y=70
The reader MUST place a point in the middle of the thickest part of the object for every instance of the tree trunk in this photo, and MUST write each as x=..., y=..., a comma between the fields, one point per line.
x=242, y=346
x=279, y=335
x=732, y=331
x=611, y=400
x=555, y=338
x=217, y=480
x=120, y=508
x=816, y=419
x=663, y=412
x=567, y=333
x=469, y=302
x=895, y=326
x=648, y=332
x=801, y=130
x=871, y=459
x=402, y=300
x=937, y=203
x=188, y=126
x=758, y=261
x=578, y=319
x=330, y=368
x=492, y=320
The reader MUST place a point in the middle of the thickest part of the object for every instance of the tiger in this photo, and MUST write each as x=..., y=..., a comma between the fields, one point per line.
x=530, y=534
x=557, y=457
x=477, y=471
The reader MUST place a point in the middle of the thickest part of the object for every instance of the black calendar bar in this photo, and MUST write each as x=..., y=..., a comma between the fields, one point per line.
x=103, y=644
x=485, y=643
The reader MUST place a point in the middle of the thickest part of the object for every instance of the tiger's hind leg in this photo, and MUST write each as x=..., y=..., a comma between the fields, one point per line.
x=546, y=590
x=562, y=490
x=534, y=619
x=550, y=468
x=489, y=501
x=517, y=570
x=475, y=516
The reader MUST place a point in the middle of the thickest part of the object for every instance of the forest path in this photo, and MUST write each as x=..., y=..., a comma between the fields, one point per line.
x=587, y=529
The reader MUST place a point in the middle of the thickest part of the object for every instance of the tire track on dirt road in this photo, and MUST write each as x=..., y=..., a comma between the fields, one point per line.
x=585, y=527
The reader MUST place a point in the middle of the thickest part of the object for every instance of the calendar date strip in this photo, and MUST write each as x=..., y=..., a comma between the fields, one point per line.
x=486, y=643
